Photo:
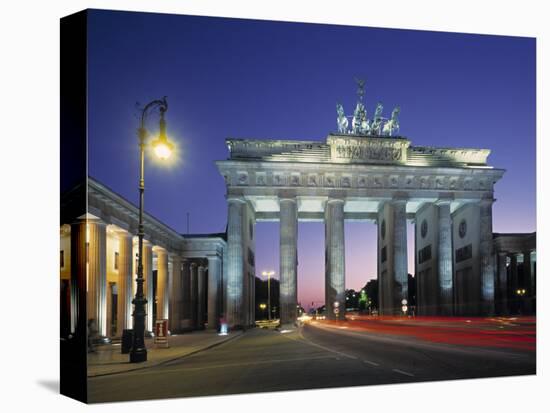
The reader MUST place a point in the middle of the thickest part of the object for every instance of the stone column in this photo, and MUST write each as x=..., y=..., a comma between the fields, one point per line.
x=335, y=259
x=445, y=258
x=503, y=283
x=97, y=276
x=175, y=294
x=400, y=263
x=514, y=271
x=201, y=296
x=148, y=285
x=529, y=282
x=214, y=275
x=79, y=247
x=125, y=270
x=514, y=279
x=162, y=284
x=223, y=285
x=193, y=287
x=186, y=294
x=235, y=261
x=288, y=261
x=486, y=256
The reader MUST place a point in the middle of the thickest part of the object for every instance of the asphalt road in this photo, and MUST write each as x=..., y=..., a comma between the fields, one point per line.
x=314, y=356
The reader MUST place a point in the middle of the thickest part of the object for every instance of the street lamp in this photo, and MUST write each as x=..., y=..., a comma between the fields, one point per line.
x=263, y=306
x=268, y=274
x=163, y=149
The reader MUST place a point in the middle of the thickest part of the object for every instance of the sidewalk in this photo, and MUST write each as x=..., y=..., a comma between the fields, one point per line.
x=107, y=358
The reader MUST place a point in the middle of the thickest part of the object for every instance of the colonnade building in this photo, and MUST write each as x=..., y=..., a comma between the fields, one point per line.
x=461, y=267
x=183, y=273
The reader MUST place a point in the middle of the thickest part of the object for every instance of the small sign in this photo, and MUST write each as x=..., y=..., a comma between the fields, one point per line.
x=161, y=333
x=404, y=301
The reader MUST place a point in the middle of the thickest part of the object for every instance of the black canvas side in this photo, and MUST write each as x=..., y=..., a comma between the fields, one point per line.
x=73, y=183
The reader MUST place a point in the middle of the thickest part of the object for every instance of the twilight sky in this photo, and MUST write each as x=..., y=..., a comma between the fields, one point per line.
x=261, y=79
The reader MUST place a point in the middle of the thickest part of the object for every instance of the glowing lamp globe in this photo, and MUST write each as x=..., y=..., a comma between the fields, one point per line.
x=163, y=148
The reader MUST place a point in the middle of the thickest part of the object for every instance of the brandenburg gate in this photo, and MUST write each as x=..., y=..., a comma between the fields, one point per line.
x=364, y=173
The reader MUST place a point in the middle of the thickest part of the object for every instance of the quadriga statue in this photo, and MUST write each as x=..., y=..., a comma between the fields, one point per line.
x=377, y=119
x=360, y=124
x=342, y=120
x=392, y=125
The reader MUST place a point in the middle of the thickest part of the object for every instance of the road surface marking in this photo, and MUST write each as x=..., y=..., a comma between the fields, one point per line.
x=403, y=372
x=228, y=365
x=372, y=363
x=311, y=343
x=440, y=347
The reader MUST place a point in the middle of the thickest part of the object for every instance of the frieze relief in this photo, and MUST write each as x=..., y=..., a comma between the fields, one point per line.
x=378, y=182
x=453, y=183
x=278, y=180
x=261, y=179
x=313, y=180
x=349, y=181
x=364, y=150
x=227, y=179
x=440, y=182
x=346, y=182
x=242, y=178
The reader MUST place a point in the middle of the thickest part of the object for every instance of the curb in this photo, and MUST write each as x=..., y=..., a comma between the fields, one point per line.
x=159, y=363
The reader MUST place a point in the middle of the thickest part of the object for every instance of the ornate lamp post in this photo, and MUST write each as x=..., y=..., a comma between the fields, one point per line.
x=163, y=149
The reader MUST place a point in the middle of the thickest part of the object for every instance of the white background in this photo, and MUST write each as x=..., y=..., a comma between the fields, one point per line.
x=29, y=194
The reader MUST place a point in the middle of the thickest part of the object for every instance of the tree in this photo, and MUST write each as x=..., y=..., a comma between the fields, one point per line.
x=371, y=289
x=352, y=299
x=411, y=290
x=363, y=300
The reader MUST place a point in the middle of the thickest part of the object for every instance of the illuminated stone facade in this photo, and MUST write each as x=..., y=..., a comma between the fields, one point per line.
x=183, y=273
x=446, y=192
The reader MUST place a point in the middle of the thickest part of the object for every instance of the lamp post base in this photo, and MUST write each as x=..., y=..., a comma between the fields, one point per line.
x=138, y=356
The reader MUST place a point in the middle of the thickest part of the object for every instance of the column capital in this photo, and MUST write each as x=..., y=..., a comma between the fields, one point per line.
x=335, y=200
x=287, y=198
x=125, y=234
x=194, y=264
x=159, y=250
x=399, y=199
x=486, y=201
x=443, y=201
x=236, y=198
x=96, y=222
x=172, y=256
x=212, y=257
x=146, y=243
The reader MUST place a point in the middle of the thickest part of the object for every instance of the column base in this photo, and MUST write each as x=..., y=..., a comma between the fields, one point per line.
x=287, y=327
x=102, y=340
